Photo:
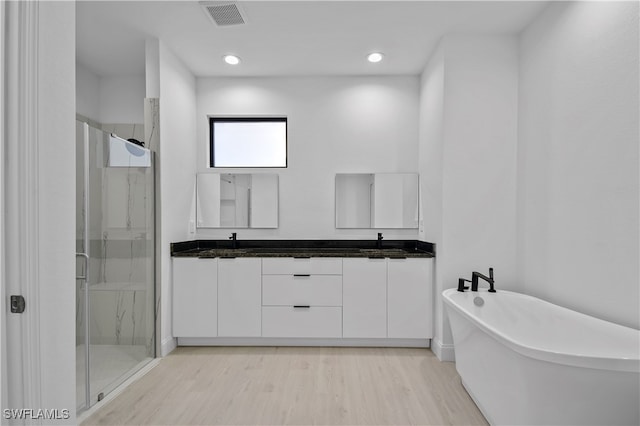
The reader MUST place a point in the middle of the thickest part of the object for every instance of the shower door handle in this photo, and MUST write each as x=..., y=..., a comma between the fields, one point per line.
x=85, y=256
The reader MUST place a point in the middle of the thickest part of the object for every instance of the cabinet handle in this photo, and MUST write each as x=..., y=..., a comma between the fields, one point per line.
x=301, y=275
x=302, y=257
x=301, y=306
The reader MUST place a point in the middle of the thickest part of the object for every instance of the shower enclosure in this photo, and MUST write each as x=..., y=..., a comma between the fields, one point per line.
x=115, y=282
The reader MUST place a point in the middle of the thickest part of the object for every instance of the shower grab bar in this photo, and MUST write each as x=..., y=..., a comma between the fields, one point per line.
x=85, y=256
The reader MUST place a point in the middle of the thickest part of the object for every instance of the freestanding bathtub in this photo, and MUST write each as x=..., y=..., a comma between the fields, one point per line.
x=527, y=361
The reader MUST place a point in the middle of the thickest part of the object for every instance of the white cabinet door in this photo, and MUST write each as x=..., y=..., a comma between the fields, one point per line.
x=239, y=297
x=308, y=322
x=294, y=265
x=195, y=292
x=364, y=298
x=312, y=290
x=409, y=288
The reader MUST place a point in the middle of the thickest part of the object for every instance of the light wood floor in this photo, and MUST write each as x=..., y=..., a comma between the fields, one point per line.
x=301, y=386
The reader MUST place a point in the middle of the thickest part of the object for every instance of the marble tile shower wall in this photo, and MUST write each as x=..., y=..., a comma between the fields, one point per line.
x=121, y=247
x=152, y=123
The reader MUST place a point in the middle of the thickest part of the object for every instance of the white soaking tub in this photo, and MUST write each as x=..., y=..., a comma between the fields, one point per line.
x=527, y=361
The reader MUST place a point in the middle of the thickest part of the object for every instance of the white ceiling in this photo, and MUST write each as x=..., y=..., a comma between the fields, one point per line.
x=284, y=38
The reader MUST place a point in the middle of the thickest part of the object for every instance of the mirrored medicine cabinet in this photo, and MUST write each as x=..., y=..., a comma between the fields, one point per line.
x=237, y=200
x=377, y=200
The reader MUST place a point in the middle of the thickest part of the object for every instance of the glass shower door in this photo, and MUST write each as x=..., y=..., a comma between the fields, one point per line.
x=115, y=309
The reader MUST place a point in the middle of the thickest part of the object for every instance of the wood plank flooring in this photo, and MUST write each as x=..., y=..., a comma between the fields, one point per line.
x=294, y=385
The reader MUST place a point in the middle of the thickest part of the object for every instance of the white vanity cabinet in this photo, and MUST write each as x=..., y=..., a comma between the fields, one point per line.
x=364, y=298
x=195, y=297
x=239, y=297
x=387, y=298
x=268, y=300
x=302, y=297
x=409, y=298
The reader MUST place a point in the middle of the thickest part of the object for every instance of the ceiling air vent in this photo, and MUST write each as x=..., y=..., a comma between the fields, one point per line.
x=223, y=13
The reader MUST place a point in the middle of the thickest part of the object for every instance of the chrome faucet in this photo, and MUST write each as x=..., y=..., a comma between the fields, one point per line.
x=234, y=243
x=474, y=280
x=379, y=244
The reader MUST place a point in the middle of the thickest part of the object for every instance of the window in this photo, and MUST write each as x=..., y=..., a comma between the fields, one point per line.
x=248, y=141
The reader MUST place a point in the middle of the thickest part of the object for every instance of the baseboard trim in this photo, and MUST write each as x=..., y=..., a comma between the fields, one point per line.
x=444, y=352
x=167, y=346
x=277, y=341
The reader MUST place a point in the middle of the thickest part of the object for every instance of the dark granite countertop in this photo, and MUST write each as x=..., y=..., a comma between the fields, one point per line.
x=303, y=248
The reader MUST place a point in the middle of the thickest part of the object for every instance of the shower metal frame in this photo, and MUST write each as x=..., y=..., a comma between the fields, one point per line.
x=85, y=255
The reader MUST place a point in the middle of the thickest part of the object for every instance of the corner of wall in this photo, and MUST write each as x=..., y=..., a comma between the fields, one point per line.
x=443, y=351
x=176, y=162
x=168, y=345
x=152, y=67
x=468, y=109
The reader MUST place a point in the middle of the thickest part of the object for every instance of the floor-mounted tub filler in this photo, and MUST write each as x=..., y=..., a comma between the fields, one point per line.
x=527, y=361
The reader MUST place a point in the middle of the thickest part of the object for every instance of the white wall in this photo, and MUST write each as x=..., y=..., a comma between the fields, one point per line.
x=578, y=159
x=176, y=160
x=335, y=125
x=468, y=146
x=431, y=148
x=107, y=99
x=87, y=93
x=479, y=157
x=122, y=99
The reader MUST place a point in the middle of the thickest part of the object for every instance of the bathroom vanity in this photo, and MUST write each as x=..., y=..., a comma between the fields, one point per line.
x=303, y=292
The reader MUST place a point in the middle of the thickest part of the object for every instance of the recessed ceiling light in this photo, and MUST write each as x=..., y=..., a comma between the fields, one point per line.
x=231, y=59
x=375, y=57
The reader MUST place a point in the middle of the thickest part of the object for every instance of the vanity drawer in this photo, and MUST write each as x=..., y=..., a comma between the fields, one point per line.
x=312, y=290
x=315, y=321
x=294, y=265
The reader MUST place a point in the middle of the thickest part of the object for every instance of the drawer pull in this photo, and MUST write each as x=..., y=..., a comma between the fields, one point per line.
x=301, y=306
x=301, y=275
x=302, y=257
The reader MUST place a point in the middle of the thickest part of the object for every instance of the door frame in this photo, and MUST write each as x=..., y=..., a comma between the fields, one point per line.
x=20, y=227
x=38, y=197
x=3, y=320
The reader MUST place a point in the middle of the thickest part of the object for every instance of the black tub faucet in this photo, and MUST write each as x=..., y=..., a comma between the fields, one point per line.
x=461, y=286
x=379, y=243
x=474, y=280
x=234, y=241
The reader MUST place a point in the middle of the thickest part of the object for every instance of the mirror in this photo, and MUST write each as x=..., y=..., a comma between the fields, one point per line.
x=237, y=200
x=380, y=200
